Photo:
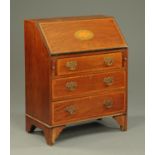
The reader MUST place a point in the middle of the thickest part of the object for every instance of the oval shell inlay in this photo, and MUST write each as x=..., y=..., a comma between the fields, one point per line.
x=84, y=35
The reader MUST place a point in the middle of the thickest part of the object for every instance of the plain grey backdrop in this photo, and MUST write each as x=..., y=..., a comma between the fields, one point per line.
x=92, y=138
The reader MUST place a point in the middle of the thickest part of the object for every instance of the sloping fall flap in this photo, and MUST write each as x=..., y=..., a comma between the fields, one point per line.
x=71, y=36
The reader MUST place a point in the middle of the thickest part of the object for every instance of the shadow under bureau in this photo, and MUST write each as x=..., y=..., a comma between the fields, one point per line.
x=76, y=70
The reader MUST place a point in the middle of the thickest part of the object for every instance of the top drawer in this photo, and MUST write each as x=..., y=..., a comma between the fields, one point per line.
x=89, y=63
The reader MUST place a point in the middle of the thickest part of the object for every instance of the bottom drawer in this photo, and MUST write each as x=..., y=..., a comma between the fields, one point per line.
x=88, y=107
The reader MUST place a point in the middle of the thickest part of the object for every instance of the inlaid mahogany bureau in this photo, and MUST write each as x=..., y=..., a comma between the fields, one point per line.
x=76, y=70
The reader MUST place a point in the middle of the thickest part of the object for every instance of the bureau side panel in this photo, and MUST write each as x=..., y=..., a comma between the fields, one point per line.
x=37, y=72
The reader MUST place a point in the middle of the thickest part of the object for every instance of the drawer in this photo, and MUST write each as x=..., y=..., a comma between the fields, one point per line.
x=88, y=107
x=89, y=63
x=86, y=84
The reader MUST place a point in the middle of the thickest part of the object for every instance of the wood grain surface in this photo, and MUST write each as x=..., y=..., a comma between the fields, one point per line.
x=62, y=33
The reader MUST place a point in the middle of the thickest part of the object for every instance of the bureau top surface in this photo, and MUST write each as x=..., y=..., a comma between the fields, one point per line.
x=80, y=34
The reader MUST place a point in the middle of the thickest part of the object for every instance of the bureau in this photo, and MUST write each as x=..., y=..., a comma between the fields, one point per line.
x=75, y=70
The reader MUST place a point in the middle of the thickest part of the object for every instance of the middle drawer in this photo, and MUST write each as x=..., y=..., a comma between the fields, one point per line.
x=86, y=84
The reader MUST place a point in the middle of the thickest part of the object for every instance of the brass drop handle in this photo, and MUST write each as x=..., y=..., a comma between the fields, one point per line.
x=71, y=86
x=108, y=61
x=71, y=65
x=71, y=110
x=108, y=103
x=108, y=81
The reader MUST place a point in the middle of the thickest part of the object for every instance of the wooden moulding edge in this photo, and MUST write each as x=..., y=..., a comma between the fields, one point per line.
x=49, y=126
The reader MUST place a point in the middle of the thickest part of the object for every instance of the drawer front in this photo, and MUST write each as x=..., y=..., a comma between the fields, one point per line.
x=89, y=63
x=89, y=107
x=79, y=85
